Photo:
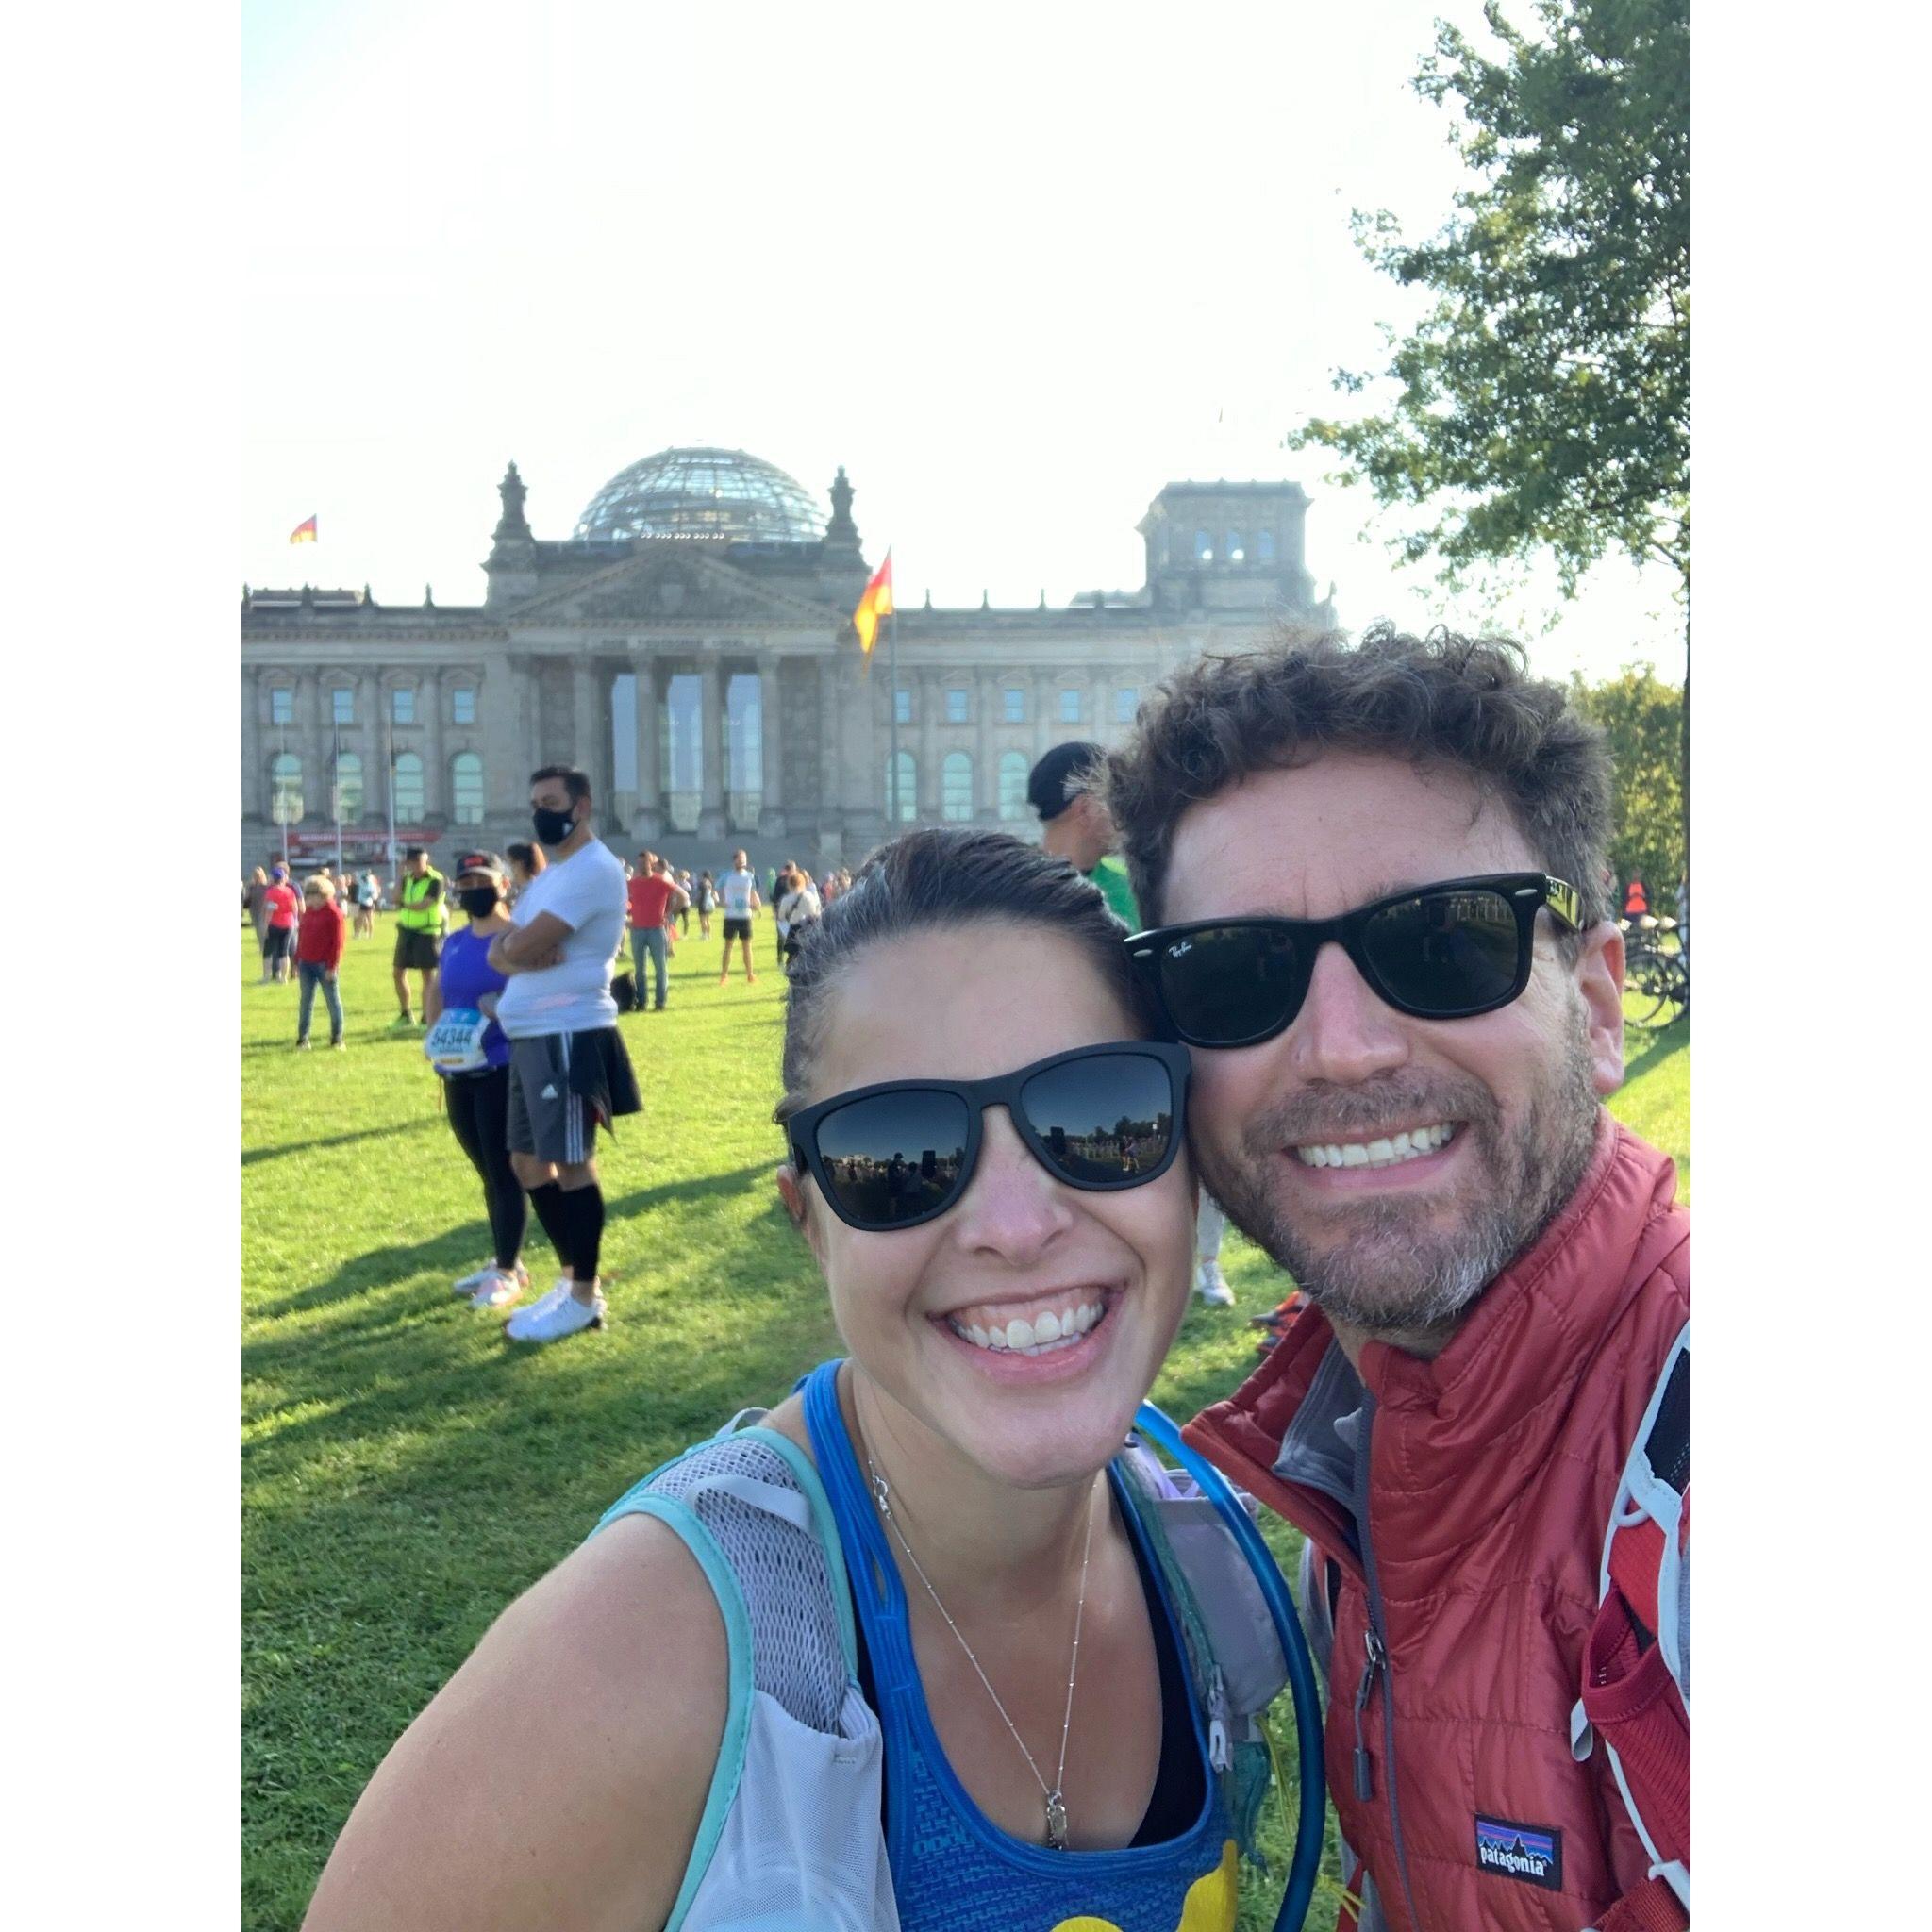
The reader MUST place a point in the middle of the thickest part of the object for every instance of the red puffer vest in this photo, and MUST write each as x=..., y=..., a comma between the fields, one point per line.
x=1490, y=1475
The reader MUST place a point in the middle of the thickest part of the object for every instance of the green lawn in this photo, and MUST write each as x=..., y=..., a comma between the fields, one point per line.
x=406, y=1473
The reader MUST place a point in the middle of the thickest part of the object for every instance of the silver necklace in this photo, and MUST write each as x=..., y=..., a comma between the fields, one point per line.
x=1056, y=1802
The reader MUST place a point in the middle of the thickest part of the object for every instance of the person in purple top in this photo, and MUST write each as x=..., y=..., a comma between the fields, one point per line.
x=479, y=1100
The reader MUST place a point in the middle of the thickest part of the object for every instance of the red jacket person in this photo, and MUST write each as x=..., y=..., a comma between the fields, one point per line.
x=1381, y=919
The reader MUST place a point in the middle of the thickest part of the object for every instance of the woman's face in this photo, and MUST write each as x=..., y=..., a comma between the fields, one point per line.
x=966, y=1005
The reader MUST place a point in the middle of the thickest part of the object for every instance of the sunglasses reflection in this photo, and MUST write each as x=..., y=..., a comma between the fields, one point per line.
x=887, y=1187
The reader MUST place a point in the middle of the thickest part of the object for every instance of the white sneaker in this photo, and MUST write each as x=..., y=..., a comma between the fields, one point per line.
x=1209, y=1286
x=558, y=1291
x=498, y=1290
x=551, y=1324
x=471, y=1283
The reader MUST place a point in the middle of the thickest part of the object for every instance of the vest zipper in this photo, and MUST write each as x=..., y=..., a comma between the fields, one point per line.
x=1375, y=1641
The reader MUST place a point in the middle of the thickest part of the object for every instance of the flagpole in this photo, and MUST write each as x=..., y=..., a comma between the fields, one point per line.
x=893, y=712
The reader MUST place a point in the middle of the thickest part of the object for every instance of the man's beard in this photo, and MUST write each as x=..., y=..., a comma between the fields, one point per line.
x=1385, y=1265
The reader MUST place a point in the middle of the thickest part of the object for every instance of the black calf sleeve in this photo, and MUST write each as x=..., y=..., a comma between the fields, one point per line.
x=547, y=1202
x=585, y=1208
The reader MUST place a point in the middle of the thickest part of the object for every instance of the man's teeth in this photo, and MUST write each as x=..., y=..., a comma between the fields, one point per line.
x=1052, y=1328
x=1391, y=1153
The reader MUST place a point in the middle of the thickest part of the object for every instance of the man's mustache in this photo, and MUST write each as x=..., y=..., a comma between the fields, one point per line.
x=1375, y=1108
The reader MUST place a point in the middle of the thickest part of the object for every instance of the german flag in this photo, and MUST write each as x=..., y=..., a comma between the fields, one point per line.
x=303, y=533
x=876, y=604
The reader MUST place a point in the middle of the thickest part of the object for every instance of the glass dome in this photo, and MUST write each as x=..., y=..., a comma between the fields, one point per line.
x=703, y=492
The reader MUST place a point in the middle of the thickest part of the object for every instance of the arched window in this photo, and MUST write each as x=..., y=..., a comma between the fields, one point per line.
x=285, y=789
x=408, y=788
x=466, y=788
x=1204, y=547
x=1237, y=547
x=907, y=788
x=1264, y=546
x=1012, y=785
x=348, y=787
x=956, y=786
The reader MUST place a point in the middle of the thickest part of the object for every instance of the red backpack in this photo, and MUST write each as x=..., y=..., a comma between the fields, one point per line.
x=1636, y=1697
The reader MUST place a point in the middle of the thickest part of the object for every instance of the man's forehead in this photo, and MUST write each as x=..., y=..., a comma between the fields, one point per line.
x=1337, y=832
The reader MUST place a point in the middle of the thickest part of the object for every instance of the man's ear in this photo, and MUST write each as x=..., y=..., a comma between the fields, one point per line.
x=1599, y=974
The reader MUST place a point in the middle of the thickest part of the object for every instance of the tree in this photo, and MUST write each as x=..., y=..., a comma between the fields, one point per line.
x=1544, y=401
x=1640, y=712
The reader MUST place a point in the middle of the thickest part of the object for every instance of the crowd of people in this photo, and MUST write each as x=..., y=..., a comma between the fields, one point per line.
x=1333, y=938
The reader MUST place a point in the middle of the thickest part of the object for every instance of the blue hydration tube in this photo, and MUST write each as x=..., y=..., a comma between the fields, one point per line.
x=1295, y=1646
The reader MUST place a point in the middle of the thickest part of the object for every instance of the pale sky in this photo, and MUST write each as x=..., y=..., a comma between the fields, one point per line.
x=1015, y=268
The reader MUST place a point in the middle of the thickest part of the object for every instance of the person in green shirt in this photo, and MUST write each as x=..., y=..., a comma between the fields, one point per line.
x=1075, y=825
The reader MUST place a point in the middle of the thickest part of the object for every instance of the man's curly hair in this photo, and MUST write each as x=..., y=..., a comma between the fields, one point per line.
x=1442, y=700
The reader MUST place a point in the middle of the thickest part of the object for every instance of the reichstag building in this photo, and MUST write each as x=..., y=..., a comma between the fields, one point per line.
x=690, y=645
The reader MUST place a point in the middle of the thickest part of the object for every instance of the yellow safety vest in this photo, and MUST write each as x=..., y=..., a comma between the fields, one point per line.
x=417, y=911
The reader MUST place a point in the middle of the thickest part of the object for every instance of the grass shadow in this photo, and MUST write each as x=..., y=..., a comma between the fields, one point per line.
x=1673, y=1038
x=252, y=1155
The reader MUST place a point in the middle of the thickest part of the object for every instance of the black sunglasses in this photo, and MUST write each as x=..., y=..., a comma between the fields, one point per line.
x=1442, y=952
x=895, y=1154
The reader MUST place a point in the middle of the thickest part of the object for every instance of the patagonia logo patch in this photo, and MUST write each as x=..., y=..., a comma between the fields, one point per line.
x=1533, y=1853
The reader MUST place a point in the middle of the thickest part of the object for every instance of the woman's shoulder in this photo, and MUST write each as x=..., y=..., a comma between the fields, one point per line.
x=561, y=1775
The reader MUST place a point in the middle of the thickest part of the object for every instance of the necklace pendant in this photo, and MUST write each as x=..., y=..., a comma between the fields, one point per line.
x=1056, y=1822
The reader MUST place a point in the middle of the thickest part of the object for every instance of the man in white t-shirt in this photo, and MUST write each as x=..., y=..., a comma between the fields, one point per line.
x=738, y=897
x=568, y=1067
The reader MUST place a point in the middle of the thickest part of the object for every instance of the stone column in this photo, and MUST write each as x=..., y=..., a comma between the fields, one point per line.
x=986, y=695
x=583, y=720
x=863, y=754
x=930, y=702
x=430, y=694
x=369, y=727
x=649, y=821
x=831, y=756
x=254, y=760
x=317, y=767
x=1044, y=720
x=712, y=803
x=771, y=749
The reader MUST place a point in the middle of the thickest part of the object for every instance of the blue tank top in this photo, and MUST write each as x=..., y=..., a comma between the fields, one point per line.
x=463, y=975
x=953, y=1869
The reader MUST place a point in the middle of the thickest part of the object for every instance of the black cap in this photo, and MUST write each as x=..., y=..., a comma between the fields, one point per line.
x=1057, y=780
x=485, y=863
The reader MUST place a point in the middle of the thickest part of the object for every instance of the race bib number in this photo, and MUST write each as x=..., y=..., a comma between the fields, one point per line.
x=455, y=1043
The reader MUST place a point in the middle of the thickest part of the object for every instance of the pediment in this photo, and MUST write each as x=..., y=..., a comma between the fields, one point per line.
x=672, y=583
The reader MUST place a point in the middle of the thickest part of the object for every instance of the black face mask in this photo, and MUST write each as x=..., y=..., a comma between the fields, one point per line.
x=553, y=827
x=479, y=901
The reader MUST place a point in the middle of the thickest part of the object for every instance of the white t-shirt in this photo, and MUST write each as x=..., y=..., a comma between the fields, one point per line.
x=734, y=892
x=586, y=892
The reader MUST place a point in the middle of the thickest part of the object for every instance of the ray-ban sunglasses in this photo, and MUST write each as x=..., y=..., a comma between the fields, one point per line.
x=901, y=1152
x=1447, y=951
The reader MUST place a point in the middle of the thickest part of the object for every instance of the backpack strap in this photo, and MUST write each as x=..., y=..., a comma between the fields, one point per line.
x=1637, y=1661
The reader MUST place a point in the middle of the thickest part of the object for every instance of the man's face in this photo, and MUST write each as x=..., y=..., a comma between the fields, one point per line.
x=737, y=861
x=1401, y=1248
x=420, y=864
x=552, y=795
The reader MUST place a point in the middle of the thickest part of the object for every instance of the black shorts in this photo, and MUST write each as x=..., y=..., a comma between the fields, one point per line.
x=562, y=1087
x=735, y=928
x=416, y=951
x=278, y=943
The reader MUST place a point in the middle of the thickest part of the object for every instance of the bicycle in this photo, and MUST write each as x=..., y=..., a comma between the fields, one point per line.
x=1656, y=970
